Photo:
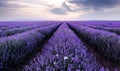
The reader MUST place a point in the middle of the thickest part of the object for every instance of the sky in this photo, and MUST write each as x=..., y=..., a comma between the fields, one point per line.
x=16, y=10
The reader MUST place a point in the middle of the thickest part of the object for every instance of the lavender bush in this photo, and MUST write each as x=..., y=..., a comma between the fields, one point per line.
x=104, y=42
x=13, y=31
x=63, y=52
x=115, y=24
x=11, y=25
x=110, y=29
x=14, y=49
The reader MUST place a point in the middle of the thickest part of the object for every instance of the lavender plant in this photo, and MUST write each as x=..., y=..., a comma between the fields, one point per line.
x=63, y=52
x=14, y=49
x=104, y=42
x=13, y=31
x=110, y=29
x=115, y=24
x=11, y=25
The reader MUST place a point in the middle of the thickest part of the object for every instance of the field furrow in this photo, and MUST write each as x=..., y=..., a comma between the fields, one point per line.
x=105, y=43
x=64, y=51
x=14, y=49
x=113, y=27
x=14, y=30
x=109, y=29
x=12, y=25
x=60, y=46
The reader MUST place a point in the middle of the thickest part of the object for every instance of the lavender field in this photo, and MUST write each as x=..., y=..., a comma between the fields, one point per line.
x=60, y=46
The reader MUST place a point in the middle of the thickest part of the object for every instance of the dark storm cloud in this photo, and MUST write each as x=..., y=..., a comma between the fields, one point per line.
x=93, y=4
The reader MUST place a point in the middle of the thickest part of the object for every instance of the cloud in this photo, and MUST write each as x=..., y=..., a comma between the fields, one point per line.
x=91, y=4
x=85, y=5
x=9, y=4
x=58, y=11
x=64, y=9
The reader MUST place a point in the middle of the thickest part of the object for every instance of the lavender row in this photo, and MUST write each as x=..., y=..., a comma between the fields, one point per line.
x=115, y=24
x=104, y=42
x=14, y=49
x=22, y=23
x=110, y=29
x=103, y=26
x=11, y=25
x=14, y=31
x=63, y=52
